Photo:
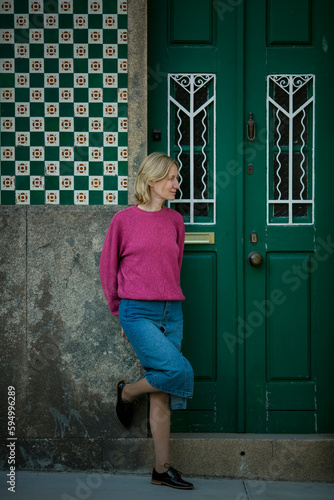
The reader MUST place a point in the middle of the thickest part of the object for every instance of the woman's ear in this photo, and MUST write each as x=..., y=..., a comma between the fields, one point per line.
x=150, y=184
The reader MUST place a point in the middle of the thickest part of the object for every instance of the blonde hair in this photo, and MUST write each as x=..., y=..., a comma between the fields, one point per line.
x=154, y=168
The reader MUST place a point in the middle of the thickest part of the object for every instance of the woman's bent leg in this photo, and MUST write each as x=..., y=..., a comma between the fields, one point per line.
x=159, y=418
x=132, y=391
x=160, y=428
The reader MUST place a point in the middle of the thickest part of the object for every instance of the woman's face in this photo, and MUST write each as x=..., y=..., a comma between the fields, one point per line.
x=167, y=187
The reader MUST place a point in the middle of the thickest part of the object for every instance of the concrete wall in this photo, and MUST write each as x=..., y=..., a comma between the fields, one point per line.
x=60, y=346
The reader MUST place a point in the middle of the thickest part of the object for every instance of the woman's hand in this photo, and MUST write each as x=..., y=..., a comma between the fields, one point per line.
x=123, y=335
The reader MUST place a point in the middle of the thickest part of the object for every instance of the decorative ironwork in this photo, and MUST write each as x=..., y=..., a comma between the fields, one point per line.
x=290, y=161
x=191, y=141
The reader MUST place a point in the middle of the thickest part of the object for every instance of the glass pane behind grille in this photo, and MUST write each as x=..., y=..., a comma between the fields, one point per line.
x=184, y=172
x=181, y=120
x=182, y=95
x=200, y=176
x=201, y=209
x=281, y=210
x=281, y=130
x=281, y=177
x=192, y=133
x=290, y=148
x=201, y=128
x=182, y=208
x=299, y=97
x=300, y=210
x=300, y=129
x=182, y=128
x=299, y=177
x=281, y=95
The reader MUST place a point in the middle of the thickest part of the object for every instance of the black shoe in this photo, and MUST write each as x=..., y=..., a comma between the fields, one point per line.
x=124, y=411
x=171, y=478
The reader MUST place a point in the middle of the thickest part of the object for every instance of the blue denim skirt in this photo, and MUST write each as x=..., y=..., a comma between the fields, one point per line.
x=155, y=330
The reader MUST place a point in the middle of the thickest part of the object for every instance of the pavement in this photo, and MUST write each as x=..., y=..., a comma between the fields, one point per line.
x=97, y=486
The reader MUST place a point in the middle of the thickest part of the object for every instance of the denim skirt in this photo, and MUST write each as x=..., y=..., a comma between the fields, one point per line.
x=155, y=330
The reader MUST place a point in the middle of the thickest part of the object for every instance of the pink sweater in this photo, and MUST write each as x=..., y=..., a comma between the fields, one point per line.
x=142, y=256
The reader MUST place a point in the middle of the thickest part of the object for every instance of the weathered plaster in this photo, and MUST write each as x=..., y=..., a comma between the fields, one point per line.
x=13, y=312
x=61, y=347
x=75, y=350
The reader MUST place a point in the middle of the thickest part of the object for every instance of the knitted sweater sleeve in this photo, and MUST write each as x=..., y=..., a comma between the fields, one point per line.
x=109, y=265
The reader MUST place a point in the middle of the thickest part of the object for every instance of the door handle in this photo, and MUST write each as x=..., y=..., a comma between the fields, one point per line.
x=250, y=128
x=255, y=259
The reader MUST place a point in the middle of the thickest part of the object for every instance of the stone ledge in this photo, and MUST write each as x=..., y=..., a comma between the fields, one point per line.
x=248, y=456
x=239, y=456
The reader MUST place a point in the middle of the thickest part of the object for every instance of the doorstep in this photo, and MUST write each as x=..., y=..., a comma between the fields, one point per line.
x=275, y=457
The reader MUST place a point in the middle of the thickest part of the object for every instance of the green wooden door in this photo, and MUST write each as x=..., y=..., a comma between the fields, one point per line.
x=288, y=320
x=258, y=337
x=184, y=69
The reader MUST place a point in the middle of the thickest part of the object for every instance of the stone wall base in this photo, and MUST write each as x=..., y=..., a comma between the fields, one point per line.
x=247, y=456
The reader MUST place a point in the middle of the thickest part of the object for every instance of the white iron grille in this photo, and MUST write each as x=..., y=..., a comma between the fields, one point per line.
x=290, y=161
x=181, y=141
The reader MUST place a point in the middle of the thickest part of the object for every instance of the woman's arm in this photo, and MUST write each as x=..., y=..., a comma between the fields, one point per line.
x=109, y=263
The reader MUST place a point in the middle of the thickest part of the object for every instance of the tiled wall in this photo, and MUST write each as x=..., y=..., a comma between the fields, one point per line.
x=63, y=79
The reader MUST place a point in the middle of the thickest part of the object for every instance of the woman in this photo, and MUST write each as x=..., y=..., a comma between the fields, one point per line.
x=140, y=275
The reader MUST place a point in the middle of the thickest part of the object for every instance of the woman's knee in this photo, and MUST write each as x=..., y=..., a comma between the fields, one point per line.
x=159, y=410
x=159, y=397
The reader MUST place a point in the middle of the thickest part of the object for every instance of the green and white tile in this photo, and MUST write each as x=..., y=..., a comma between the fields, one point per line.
x=63, y=101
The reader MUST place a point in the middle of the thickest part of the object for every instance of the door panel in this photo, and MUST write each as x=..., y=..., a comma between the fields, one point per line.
x=198, y=29
x=288, y=298
x=289, y=21
x=201, y=329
